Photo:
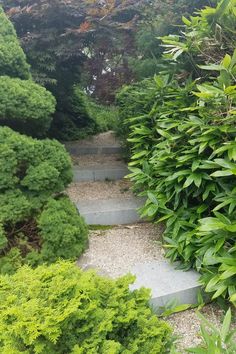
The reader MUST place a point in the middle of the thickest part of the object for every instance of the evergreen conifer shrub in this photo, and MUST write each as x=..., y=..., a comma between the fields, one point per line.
x=25, y=106
x=61, y=309
x=37, y=224
x=12, y=58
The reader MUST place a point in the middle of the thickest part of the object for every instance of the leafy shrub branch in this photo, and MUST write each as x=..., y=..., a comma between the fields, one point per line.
x=184, y=149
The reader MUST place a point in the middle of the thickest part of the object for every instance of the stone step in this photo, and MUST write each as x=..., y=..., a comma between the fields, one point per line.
x=166, y=283
x=110, y=211
x=75, y=149
x=100, y=173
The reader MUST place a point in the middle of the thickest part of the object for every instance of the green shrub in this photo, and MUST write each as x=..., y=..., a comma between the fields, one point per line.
x=183, y=154
x=106, y=117
x=73, y=120
x=136, y=100
x=12, y=58
x=63, y=233
x=25, y=106
x=133, y=101
x=60, y=309
x=32, y=173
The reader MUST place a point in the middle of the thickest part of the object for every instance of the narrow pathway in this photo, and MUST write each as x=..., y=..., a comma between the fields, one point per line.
x=115, y=250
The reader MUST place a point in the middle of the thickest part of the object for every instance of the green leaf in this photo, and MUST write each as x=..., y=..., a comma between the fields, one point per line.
x=152, y=198
x=228, y=273
x=226, y=325
x=233, y=298
x=222, y=173
x=195, y=165
x=188, y=181
x=210, y=224
x=212, y=67
x=220, y=291
x=139, y=154
x=226, y=61
x=186, y=21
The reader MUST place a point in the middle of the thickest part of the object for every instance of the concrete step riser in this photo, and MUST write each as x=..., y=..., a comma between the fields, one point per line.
x=113, y=217
x=110, y=211
x=83, y=175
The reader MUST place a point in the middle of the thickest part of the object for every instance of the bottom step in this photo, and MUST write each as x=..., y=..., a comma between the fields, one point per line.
x=166, y=283
x=110, y=211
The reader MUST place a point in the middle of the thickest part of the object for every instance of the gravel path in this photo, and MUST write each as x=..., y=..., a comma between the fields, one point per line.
x=103, y=139
x=187, y=325
x=100, y=190
x=97, y=160
x=115, y=251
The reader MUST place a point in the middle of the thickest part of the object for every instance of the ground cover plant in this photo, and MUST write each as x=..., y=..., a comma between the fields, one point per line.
x=183, y=150
x=61, y=309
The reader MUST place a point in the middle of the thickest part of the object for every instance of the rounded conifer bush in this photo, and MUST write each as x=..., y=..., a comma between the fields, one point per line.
x=12, y=58
x=37, y=223
x=61, y=309
x=25, y=106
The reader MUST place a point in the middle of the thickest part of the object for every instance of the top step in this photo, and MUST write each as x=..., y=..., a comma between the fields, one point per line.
x=104, y=143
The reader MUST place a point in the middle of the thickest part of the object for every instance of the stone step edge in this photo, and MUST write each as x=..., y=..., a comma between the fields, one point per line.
x=99, y=174
x=94, y=150
x=167, y=283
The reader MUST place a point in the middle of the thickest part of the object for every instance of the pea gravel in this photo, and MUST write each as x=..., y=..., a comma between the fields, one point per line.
x=115, y=251
x=97, y=160
x=103, y=139
x=186, y=325
x=100, y=190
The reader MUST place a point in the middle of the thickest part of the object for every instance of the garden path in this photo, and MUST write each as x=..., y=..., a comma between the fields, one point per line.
x=117, y=243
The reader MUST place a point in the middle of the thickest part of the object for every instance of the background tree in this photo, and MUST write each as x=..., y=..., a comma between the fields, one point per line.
x=99, y=45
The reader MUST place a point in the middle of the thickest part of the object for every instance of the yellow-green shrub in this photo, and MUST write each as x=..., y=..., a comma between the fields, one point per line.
x=60, y=309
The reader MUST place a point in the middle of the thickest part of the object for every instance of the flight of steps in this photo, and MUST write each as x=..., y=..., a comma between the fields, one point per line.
x=166, y=282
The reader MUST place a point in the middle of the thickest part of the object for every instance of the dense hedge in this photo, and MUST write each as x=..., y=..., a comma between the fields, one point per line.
x=25, y=106
x=34, y=225
x=184, y=153
x=12, y=58
x=60, y=309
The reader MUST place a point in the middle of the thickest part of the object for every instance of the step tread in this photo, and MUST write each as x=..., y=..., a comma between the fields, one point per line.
x=93, y=150
x=166, y=282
